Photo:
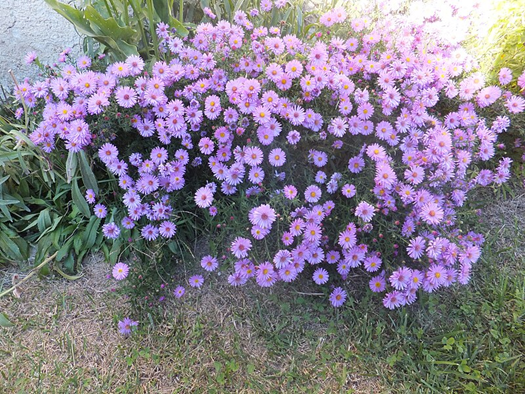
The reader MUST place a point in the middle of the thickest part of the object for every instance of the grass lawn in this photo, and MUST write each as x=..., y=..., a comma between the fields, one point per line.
x=222, y=339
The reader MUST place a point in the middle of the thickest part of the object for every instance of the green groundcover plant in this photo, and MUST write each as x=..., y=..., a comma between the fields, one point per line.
x=343, y=156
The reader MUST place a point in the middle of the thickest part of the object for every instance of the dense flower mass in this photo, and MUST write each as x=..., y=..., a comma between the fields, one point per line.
x=338, y=145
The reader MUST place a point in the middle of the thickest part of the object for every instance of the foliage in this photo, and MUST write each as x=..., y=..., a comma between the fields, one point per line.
x=503, y=45
x=122, y=27
x=41, y=208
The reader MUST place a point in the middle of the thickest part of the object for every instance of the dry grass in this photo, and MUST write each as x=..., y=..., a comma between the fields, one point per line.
x=222, y=339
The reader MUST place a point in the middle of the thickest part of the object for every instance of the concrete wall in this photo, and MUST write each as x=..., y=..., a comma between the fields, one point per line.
x=30, y=25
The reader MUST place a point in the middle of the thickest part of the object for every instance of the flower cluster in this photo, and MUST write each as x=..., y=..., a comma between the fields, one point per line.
x=356, y=152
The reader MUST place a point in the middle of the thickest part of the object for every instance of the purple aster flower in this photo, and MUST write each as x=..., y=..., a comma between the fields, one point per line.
x=377, y=284
x=125, y=326
x=179, y=291
x=111, y=230
x=320, y=276
x=209, y=263
x=120, y=271
x=364, y=211
x=337, y=297
x=196, y=281
x=100, y=211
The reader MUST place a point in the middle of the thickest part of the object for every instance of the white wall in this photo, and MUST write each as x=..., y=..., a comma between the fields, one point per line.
x=31, y=25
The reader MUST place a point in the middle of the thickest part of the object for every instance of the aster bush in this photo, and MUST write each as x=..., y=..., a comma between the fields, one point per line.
x=346, y=157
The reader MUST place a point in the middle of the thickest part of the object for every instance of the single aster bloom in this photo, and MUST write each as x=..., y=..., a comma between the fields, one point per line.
x=364, y=211
x=179, y=291
x=196, y=281
x=209, y=263
x=377, y=284
x=125, y=326
x=120, y=271
x=338, y=297
x=320, y=276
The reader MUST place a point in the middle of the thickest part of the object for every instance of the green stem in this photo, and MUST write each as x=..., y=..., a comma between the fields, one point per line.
x=115, y=11
x=125, y=13
x=33, y=271
x=152, y=29
x=141, y=26
x=108, y=8
x=181, y=11
x=26, y=115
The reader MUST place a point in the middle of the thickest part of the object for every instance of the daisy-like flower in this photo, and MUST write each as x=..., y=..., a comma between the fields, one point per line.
x=111, y=230
x=393, y=300
x=90, y=196
x=373, y=263
x=167, y=229
x=237, y=279
x=290, y=192
x=347, y=238
x=515, y=104
x=437, y=275
x=125, y=326
x=320, y=276
x=356, y=164
x=432, y=213
x=337, y=297
x=400, y=278
x=312, y=194
x=100, y=211
x=126, y=96
x=196, y=281
x=505, y=76
x=377, y=284
x=348, y=190
x=288, y=273
x=179, y=291
x=107, y=153
x=364, y=211
x=277, y=157
x=240, y=247
x=263, y=216
x=149, y=232
x=120, y=271
x=209, y=263
x=416, y=247
x=203, y=197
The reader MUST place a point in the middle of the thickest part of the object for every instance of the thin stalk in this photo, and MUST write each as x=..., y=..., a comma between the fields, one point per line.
x=181, y=10
x=152, y=29
x=115, y=11
x=125, y=13
x=31, y=273
x=141, y=26
x=108, y=8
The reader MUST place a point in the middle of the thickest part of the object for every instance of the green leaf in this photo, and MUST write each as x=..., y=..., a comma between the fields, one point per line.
x=69, y=264
x=10, y=248
x=89, y=236
x=4, y=321
x=181, y=29
x=115, y=252
x=71, y=166
x=64, y=251
x=90, y=182
x=79, y=200
x=44, y=220
x=163, y=10
x=68, y=277
x=108, y=27
x=73, y=15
